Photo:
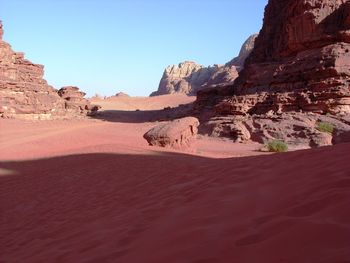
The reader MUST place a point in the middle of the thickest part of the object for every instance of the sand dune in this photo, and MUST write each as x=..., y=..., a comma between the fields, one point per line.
x=94, y=191
x=173, y=207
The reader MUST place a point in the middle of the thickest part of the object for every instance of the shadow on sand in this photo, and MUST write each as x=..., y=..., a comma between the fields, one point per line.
x=133, y=116
x=140, y=116
x=118, y=207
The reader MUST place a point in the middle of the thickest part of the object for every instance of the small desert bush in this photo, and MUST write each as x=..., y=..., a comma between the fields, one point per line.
x=325, y=127
x=277, y=146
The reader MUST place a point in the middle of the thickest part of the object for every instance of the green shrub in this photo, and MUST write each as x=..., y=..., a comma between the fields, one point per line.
x=325, y=127
x=277, y=146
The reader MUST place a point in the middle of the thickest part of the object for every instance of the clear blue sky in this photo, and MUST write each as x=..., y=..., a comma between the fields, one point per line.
x=106, y=46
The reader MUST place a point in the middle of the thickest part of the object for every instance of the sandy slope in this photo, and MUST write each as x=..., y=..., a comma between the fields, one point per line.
x=143, y=103
x=94, y=191
x=172, y=207
x=30, y=140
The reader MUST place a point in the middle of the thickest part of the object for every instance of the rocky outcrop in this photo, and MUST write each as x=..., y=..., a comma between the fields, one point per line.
x=25, y=94
x=189, y=77
x=245, y=51
x=186, y=78
x=23, y=91
x=178, y=134
x=122, y=95
x=298, y=71
x=301, y=61
x=298, y=130
x=75, y=101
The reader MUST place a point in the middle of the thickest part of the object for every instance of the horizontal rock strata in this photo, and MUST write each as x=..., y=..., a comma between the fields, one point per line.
x=300, y=65
x=24, y=93
x=301, y=61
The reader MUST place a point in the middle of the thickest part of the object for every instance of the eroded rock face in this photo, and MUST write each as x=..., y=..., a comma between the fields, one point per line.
x=189, y=77
x=301, y=61
x=23, y=91
x=297, y=74
x=245, y=51
x=298, y=130
x=178, y=134
x=186, y=78
x=75, y=101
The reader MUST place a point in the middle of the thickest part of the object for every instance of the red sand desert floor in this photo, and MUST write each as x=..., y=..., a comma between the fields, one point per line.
x=171, y=207
x=94, y=191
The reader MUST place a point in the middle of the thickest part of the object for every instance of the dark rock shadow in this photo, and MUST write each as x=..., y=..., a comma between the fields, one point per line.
x=338, y=20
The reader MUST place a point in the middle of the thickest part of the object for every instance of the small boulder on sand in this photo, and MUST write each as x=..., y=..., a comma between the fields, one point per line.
x=180, y=133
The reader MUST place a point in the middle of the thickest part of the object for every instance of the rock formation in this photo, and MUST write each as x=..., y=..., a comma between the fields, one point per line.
x=25, y=94
x=121, y=94
x=298, y=130
x=178, y=134
x=75, y=101
x=189, y=77
x=245, y=51
x=300, y=63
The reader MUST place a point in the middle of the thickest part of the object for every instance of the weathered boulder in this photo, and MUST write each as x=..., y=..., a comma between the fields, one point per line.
x=179, y=133
x=189, y=77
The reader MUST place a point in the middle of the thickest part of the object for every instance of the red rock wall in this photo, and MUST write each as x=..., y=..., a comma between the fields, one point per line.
x=292, y=26
x=301, y=61
x=189, y=77
x=25, y=94
x=23, y=91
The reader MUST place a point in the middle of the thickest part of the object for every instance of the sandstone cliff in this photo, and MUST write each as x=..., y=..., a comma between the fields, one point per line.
x=245, y=51
x=75, y=103
x=299, y=69
x=189, y=77
x=301, y=61
x=25, y=94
